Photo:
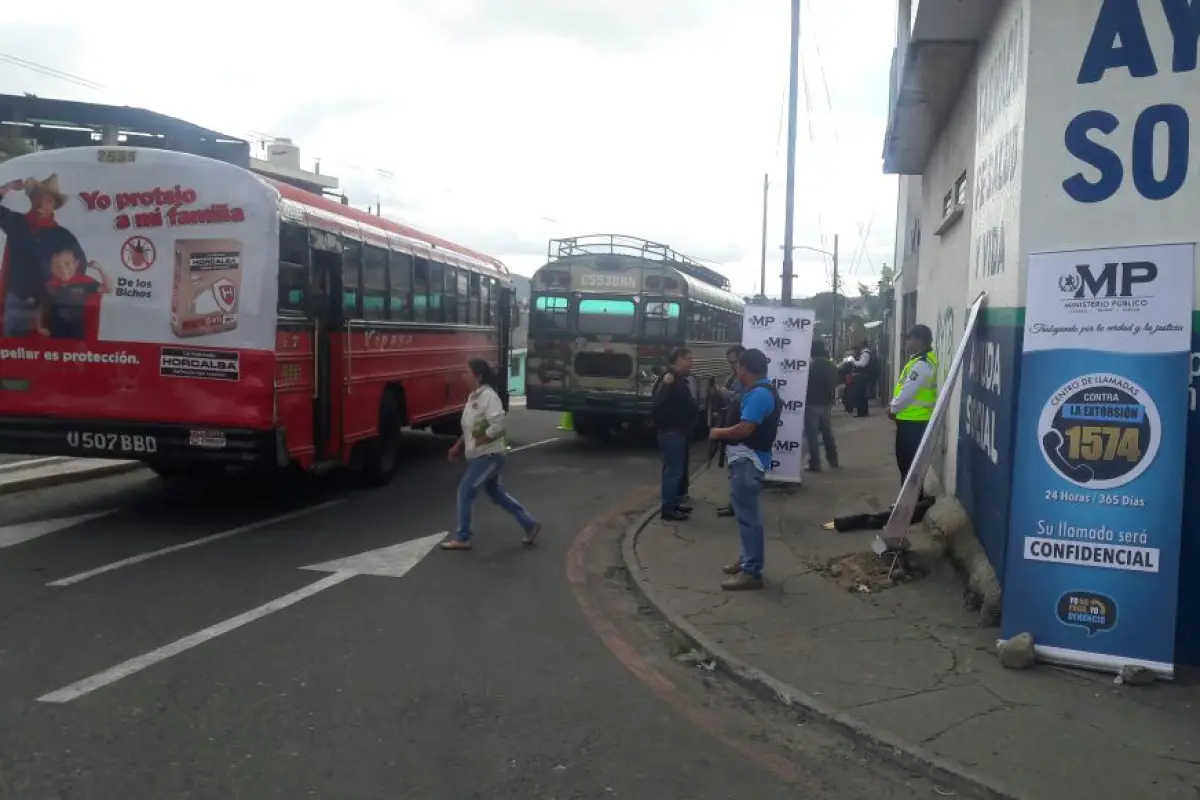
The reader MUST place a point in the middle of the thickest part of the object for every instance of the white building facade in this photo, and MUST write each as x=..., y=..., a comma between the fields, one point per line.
x=1021, y=127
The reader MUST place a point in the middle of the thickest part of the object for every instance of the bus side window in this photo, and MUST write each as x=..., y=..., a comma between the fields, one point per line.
x=702, y=323
x=437, y=291
x=293, y=268
x=489, y=294
x=421, y=290
x=351, y=278
x=400, y=269
x=720, y=325
x=473, y=300
x=462, y=292
x=450, y=301
x=374, y=291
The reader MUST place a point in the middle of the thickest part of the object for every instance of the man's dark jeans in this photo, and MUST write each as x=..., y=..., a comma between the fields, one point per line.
x=818, y=425
x=674, y=446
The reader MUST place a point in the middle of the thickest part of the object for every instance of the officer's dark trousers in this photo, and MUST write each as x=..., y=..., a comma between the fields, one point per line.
x=908, y=439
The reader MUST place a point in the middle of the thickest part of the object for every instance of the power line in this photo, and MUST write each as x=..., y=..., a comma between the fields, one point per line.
x=51, y=72
x=824, y=81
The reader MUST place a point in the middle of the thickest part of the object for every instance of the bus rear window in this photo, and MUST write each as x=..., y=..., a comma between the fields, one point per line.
x=606, y=316
x=549, y=313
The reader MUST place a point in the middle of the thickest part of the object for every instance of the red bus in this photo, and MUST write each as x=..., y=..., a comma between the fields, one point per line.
x=189, y=314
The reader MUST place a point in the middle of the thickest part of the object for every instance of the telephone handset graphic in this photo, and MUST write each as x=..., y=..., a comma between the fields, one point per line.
x=1053, y=443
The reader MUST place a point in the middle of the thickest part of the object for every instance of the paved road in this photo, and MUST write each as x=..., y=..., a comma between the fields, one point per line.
x=476, y=675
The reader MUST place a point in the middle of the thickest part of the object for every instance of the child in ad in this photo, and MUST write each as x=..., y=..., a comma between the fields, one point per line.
x=70, y=291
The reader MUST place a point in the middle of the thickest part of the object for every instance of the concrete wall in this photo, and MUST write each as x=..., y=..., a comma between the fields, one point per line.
x=944, y=258
x=990, y=374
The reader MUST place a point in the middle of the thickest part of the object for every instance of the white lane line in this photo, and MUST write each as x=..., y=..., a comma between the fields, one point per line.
x=535, y=444
x=216, y=537
x=11, y=535
x=134, y=665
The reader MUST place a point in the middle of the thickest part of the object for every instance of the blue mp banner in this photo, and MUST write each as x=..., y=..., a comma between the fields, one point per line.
x=1097, y=498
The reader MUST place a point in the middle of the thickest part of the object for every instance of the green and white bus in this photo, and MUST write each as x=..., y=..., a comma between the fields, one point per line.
x=605, y=312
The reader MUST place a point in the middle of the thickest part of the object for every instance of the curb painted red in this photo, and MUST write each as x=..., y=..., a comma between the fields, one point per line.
x=655, y=680
x=884, y=743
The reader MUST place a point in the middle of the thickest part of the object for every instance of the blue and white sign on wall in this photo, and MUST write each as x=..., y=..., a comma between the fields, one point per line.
x=1097, y=500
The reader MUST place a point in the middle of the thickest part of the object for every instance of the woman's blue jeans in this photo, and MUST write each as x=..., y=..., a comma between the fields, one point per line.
x=484, y=472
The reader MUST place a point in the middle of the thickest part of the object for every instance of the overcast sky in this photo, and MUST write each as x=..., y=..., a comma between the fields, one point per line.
x=503, y=123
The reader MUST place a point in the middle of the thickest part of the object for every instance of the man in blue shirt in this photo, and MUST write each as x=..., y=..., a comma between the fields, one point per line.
x=748, y=453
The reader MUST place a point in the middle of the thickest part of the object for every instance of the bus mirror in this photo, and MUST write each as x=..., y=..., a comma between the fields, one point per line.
x=514, y=316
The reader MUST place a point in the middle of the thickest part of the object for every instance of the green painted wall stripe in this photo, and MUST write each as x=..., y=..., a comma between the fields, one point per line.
x=1008, y=316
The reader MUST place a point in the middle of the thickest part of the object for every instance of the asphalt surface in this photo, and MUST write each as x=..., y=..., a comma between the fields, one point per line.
x=475, y=675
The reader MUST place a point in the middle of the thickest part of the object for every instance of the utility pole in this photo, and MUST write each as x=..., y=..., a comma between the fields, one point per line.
x=762, y=276
x=793, y=100
x=834, y=337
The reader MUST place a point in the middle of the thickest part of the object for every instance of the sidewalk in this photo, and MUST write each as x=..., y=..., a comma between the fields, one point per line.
x=908, y=666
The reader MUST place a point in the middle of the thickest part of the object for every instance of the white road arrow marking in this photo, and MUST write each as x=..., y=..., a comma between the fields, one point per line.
x=175, y=548
x=394, y=561
x=391, y=562
x=15, y=534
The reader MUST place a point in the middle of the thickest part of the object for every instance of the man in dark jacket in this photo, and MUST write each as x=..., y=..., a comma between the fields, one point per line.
x=730, y=393
x=818, y=408
x=675, y=410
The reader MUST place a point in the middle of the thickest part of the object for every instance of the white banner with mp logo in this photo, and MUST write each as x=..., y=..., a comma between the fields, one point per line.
x=785, y=335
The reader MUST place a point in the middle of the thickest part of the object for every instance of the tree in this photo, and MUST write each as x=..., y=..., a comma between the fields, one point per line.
x=12, y=146
x=873, y=305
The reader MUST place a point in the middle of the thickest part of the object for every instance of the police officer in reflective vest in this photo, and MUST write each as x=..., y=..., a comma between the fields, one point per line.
x=914, y=397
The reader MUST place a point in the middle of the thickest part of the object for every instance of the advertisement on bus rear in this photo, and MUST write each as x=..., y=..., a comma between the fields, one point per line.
x=126, y=272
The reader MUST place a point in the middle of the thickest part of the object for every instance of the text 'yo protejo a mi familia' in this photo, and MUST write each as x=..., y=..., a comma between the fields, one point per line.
x=159, y=207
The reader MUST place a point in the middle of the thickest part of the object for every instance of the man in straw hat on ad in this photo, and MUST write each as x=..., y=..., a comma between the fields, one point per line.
x=25, y=264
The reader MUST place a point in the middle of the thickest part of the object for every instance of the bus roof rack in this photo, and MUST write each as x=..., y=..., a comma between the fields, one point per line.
x=620, y=245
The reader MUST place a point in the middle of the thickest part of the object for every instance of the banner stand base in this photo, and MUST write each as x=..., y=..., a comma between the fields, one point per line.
x=883, y=547
x=1096, y=662
x=893, y=552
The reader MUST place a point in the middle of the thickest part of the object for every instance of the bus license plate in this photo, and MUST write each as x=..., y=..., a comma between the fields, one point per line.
x=112, y=442
x=209, y=440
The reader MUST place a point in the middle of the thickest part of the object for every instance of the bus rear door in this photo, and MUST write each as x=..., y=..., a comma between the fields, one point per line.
x=310, y=301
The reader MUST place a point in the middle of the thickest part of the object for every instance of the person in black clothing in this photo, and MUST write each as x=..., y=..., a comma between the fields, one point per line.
x=818, y=408
x=866, y=370
x=675, y=410
x=845, y=373
x=729, y=393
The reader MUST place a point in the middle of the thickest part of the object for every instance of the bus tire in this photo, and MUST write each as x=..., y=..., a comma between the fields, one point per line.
x=447, y=426
x=380, y=454
x=589, y=425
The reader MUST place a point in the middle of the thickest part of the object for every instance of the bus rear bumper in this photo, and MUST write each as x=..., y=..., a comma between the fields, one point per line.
x=597, y=403
x=153, y=443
